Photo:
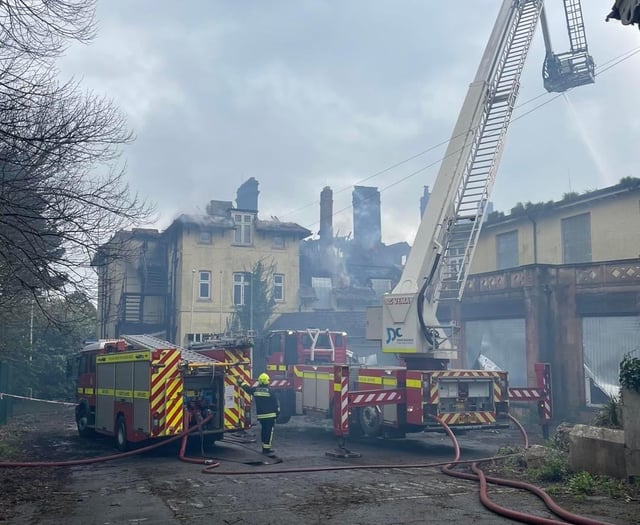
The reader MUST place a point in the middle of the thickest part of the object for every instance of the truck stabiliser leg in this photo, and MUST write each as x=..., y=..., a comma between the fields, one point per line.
x=341, y=412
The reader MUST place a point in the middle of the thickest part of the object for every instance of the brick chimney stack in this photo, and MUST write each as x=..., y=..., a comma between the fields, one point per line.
x=326, y=213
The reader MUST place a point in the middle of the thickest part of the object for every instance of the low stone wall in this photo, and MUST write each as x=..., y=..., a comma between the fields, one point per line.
x=597, y=450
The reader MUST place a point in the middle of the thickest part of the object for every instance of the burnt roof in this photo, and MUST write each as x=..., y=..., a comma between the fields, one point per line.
x=290, y=228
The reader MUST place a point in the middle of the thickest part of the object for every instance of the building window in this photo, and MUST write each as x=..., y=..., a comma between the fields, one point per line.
x=243, y=223
x=381, y=286
x=278, y=287
x=241, y=283
x=576, y=239
x=322, y=287
x=507, y=250
x=204, y=237
x=278, y=242
x=204, y=284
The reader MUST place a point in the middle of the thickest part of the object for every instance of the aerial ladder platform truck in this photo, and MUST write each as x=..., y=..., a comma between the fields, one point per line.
x=424, y=391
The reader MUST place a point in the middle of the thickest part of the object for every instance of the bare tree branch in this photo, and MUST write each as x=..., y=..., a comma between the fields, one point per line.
x=62, y=187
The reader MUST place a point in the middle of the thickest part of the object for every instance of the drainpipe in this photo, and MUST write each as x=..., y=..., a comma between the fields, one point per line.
x=535, y=237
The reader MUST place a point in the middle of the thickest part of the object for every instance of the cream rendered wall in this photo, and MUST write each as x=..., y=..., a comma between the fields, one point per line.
x=222, y=258
x=615, y=233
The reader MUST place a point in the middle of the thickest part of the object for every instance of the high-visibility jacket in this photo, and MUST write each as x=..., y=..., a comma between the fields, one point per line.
x=267, y=404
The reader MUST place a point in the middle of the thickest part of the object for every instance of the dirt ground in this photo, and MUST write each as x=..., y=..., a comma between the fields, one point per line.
x=157, y=488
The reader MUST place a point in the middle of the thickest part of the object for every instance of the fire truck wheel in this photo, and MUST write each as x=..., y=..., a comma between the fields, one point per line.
x=371, y=421
x=121, y=435
x=82, y=420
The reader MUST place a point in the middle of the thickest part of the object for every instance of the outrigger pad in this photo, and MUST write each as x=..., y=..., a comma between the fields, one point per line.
x=343, y=453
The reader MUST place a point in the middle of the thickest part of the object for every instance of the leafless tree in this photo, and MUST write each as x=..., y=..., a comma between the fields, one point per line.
x=62, y=186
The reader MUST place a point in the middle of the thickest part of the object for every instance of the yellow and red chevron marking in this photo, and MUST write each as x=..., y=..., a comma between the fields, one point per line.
x=165, y=397
x=233, y=357
x=232, y=412
x=497, y=391
x=433, y=393
x=466, y=373
x=468, y=418
x=237, y=374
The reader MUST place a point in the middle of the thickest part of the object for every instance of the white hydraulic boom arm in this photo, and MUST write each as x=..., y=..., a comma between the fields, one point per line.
x=439, y=260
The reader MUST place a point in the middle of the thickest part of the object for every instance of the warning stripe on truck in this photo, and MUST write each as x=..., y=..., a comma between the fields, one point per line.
x=468, y=418
x=237, y=415
x=166, y=392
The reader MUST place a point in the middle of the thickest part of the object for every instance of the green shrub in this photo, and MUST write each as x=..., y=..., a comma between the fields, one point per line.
x=581, y=483
x=630, y=373
x=609, y=415
x=554, y=468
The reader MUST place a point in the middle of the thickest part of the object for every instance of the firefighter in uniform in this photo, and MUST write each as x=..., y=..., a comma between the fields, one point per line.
x=267, y=409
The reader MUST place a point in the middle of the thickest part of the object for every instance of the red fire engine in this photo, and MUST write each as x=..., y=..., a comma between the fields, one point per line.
x=136, y=388
x=308, y=372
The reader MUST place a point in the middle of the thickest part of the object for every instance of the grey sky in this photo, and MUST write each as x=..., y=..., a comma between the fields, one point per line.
x=307, y=93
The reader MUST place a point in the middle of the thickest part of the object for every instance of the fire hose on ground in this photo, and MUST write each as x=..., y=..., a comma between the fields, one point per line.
x=88, y=461
x=447, y=467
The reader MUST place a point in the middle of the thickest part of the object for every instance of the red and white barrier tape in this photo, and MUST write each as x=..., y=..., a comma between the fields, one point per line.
x=3, y=394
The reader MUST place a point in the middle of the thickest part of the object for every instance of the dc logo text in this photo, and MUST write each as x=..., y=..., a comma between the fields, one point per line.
x=393, y=334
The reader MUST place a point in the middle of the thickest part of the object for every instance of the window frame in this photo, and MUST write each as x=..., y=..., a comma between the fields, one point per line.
x=278, y=286
x=241, y=281
x=204, y=282
x=570, y=247
x=205, y=237
x=243, y=233
x=506, y=260
x=278, y=242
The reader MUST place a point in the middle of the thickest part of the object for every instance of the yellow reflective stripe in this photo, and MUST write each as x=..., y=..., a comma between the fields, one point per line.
x=414, y=383
x=124, y=393
x=86, y=390
x=277, y=367
x=123, y=357
x=138, y=394
x=262, y=394
x=265, y=416
x=337, y=387
x=399, y=350
x=317, y=375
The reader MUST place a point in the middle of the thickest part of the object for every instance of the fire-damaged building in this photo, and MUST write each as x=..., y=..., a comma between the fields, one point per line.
x=555, y=282
x=558, y=282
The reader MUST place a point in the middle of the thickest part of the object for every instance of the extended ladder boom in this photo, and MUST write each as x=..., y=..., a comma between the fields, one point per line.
x=440, y=257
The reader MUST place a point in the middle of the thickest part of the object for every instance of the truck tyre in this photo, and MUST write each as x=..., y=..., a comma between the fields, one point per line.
x=83, y=413
x=371, y=421
x=121, y=435
x=287, y=406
